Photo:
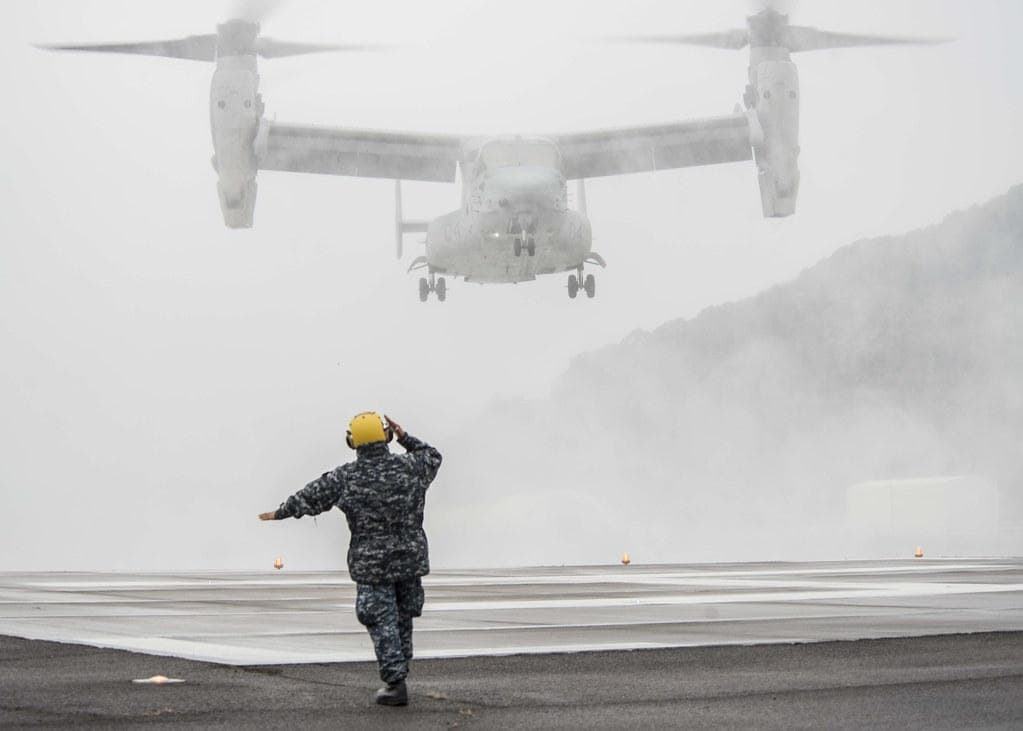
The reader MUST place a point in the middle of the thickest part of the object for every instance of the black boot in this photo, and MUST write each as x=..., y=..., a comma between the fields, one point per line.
x=393, y=694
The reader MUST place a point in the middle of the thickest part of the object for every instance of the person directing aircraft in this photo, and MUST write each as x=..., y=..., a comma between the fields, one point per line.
x=382, y=496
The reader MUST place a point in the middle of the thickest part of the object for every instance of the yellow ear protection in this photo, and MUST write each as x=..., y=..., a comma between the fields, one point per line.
x=368, y=428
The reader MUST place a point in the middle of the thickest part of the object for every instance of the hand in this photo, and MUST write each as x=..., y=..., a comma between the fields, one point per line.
x=272, y=515
x=395, y=427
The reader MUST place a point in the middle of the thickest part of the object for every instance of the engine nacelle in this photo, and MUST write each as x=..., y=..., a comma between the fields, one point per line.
x=235, y=114
x=775, y=137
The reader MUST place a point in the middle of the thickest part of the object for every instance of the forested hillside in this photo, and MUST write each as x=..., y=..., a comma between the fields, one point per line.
x=736, y=433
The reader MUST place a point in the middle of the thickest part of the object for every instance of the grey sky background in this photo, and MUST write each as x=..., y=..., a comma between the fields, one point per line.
x=165, y=378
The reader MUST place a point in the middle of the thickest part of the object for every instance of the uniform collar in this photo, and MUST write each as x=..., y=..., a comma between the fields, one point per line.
x=372, y=450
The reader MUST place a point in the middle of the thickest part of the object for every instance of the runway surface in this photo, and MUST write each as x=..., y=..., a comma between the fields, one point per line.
x=276, y=618
x=949, y=681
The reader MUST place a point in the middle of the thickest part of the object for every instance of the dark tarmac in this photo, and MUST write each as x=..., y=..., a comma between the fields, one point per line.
x=946, y=681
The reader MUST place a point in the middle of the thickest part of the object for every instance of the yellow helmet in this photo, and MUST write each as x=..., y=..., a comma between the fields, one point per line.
x=367, y=428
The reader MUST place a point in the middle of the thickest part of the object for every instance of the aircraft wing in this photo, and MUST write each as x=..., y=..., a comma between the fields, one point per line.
x=358, y=152
x=656, y=147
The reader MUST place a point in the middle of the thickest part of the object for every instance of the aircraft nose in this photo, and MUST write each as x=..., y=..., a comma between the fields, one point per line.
x=516, y=187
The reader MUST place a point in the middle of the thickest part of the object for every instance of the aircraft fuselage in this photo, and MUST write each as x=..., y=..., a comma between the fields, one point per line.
x=514, y=223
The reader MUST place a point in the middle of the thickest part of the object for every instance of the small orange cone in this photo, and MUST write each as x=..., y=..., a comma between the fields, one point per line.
x=626, y=560
x=157, y=680
x=278, y=563
x=919, y=552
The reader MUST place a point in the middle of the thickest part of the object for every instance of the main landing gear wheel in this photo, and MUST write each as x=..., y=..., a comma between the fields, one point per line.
x=517, y=247
x=589, y=282
x=573, y=286
x=577, y=282
x=531, y=247
x=438, y=285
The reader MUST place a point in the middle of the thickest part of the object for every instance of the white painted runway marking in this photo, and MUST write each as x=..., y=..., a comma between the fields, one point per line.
x=624, y=575
x=599, y=575
x=871, y=590
x=287, y=618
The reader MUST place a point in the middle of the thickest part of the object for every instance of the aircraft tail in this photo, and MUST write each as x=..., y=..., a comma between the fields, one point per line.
x=401, y=226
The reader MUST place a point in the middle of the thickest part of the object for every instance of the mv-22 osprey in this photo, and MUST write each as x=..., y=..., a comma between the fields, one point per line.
x=514, y=222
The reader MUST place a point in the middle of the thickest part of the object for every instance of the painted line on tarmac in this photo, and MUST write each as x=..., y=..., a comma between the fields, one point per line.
x=871, y=592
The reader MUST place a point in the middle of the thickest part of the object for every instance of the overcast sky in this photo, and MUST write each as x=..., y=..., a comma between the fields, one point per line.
x=160, y=368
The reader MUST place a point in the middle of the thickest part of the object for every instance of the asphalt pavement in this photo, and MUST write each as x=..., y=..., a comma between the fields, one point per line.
x=946, y=681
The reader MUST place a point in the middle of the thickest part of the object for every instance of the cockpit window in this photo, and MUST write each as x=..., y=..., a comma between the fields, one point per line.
x=505, y=154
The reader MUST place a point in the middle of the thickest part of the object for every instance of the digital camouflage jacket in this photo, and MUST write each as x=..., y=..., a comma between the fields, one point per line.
x=383, y=496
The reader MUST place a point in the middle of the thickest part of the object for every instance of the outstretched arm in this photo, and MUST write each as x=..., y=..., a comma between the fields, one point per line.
x=317, y=497
x=426, y=458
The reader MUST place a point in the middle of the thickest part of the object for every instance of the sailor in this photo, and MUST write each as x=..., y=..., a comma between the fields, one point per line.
x=382, y=496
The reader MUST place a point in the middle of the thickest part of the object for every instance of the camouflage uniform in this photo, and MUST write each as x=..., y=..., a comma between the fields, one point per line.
x=382, y=496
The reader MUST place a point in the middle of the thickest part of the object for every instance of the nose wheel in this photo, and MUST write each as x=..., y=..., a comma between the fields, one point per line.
x=529, y=245
x=437, y=285
x=523, y=228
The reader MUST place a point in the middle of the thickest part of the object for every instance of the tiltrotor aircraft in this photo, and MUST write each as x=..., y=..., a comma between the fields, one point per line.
x=514, y=222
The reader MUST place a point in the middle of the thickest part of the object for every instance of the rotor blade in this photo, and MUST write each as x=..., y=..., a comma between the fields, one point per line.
x=803, y=38
x=195, y=48
x=733, y=39
x=271, y=48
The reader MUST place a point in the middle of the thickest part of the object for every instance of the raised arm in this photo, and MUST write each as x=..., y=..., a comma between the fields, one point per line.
x=425, y=458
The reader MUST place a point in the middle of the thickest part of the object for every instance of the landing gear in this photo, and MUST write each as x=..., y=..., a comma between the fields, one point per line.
x=530, y=246
x=522, y=226
x=577, y=282
x=433, y=284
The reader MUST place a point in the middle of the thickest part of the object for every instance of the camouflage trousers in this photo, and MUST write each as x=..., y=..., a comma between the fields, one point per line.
x=386, y=610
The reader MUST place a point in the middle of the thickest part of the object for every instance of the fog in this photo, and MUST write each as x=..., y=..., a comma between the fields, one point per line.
x=870, y=405
x=166, y=379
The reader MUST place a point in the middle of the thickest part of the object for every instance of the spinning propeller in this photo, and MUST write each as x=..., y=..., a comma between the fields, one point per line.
x=236, y=36
x=771, y=28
